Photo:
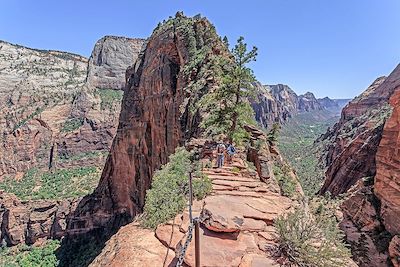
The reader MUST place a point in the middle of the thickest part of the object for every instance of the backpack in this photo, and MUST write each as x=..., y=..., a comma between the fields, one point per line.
x=231, y=149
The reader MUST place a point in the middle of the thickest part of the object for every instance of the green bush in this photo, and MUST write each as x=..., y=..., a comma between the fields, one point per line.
x=28, y=256
x=109, y=97
x=59, y=184
x=285, y=181
x=72, y=124
x=169, y=189
x=311, y=240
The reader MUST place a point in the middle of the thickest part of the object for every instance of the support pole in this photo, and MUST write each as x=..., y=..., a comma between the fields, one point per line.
x=190, y=198
x=197, y=243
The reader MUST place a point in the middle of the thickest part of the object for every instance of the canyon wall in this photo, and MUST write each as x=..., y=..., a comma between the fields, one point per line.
x=352, y=142
x=278, y=103
x=362, y=162
x=156, y=117
x=57, y=105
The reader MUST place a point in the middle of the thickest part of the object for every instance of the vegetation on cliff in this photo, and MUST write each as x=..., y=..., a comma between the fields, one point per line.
x=170, y=189
x=296, y=142
x=58, y=184
x=30, y=256
x=312, y=237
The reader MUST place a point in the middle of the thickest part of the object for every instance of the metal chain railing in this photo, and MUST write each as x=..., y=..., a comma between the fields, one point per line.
x=186, y=245
x=192, y=221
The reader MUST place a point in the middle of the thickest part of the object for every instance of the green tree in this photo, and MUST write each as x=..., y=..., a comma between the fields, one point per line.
x=229, y=108
x=273, y=133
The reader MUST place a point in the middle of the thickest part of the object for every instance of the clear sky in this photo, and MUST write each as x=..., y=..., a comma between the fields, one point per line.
x=333, y=48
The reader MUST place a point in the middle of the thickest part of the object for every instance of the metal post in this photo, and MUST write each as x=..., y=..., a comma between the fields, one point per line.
x=190, y=198
x=197, y=243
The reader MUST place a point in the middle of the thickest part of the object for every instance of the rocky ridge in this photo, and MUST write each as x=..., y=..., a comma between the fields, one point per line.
x=278, y=103
x=156, y=117
x=237, y=220
x=361, y=162
x=56, y=106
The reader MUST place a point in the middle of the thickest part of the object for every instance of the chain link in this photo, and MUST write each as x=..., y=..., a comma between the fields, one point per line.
x=186, y=245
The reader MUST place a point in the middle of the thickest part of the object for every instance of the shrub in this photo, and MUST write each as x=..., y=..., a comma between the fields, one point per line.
x=311, y=240
x=71, y=125
x=109, y=97
x=62, y=183
x=285, y=181
x=28, y=256
x=169, y=188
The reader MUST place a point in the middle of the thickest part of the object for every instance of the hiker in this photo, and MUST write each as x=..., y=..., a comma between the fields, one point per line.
x=231, y=151
x=220, y=155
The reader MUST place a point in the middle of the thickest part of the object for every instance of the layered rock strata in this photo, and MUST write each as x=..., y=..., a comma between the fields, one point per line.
x=30, y=221
x=278, y=103
x=58, y=105
x=354, y=140
x=156, y=117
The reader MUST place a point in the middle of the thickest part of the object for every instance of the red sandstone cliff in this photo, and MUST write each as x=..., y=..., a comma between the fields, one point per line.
x=353, y=141
x=362, y=160
x=387, y=179
x=155, y=118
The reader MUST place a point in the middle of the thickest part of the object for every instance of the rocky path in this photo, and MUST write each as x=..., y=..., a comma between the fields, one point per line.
x=236, y=227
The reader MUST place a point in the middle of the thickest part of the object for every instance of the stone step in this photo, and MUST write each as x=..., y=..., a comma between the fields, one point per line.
x=233, y=178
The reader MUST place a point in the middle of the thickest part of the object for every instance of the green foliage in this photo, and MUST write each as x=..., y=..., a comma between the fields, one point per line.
x=273, y=133
x=59, y=184
x=307, y=239
x=31, y=116
x=296, y=142
x=84, y=155
x=28, y=256
x=109, y=97
x=169, y=189
x=71, y=125
x=285, y=180
x=235, y=170
x=228, y=106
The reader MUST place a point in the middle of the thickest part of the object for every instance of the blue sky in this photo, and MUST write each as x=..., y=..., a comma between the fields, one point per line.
x=332, y=48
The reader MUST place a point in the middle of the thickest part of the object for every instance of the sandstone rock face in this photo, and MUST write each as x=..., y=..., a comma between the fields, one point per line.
x=31, y=82
x=387, y=179
x=308, y=102
x=154, y=120
x=394, y=251
x=110, y=58
x=363, y=228
x=59, y=106
x=353, y=141
x=236, y=227
x=30, y=221
x=278, y=103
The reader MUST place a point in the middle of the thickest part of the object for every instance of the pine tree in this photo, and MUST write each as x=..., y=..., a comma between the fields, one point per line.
x=229, y=108
x=273, y=133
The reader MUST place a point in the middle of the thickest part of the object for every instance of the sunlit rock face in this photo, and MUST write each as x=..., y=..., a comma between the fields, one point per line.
x=155, y=118
x=353, y=141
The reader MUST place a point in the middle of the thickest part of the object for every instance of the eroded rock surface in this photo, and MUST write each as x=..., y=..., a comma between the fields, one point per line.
x=155, y=118
x=59, y=106
x=236, y=227
x=354, y=140
x=30, y=221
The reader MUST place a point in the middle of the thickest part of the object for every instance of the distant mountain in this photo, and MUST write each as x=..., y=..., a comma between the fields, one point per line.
x=334, y=105
x=278, y=103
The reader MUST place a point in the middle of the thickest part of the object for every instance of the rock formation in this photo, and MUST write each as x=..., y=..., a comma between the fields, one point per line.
x=53, y=118
x=353, y=141
x=156, y=117
x=387, y=179
x=278, y=103
x=58, y=105
x=237, y=220
x=110, y=58
x=362, y=161
x=30, y=221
